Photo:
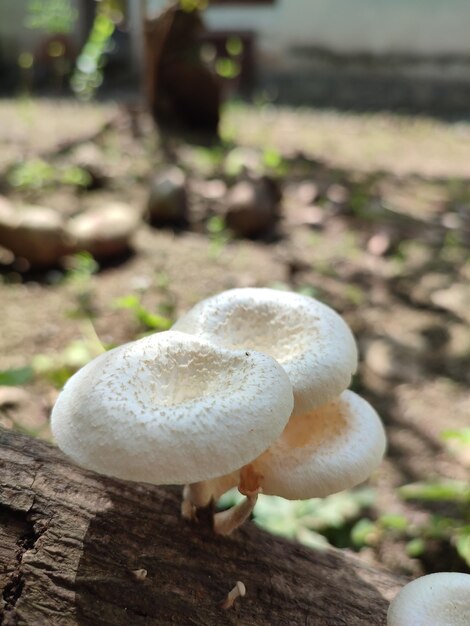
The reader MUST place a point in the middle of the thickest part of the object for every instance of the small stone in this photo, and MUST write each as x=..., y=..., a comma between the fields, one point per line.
x=214, y=189
x=306, y=216
x=306, y=192
x=338, y=194
x=379, y=244
x=455, y=299
x=168, y=202
x=104, y=232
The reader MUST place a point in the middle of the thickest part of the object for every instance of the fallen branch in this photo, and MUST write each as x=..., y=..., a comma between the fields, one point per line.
x=78, y=548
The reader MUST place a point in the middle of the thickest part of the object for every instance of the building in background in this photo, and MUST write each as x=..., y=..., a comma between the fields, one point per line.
x=410, y=54
x=366, y=54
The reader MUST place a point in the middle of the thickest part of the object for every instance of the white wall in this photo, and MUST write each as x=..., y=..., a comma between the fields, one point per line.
x=427, y=27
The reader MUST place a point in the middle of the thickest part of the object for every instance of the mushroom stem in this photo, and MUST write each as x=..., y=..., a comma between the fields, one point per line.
x=199, y=495
x=227, y=521
x=237, y=592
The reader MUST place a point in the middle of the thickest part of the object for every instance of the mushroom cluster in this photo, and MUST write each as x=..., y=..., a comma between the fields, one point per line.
x=248, y=390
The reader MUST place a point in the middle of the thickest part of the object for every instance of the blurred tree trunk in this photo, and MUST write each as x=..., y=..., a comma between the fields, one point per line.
x=182, y=92
x=79, y=548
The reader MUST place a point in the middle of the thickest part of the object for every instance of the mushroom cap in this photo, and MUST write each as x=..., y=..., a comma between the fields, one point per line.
x=331, y=448
x=171, y=408
x=311, y=341
x=441, y=599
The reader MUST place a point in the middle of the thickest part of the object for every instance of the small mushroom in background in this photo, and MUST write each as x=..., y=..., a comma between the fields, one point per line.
x=251, y=207
x=105, y=231
x=168, y=199
x=441, y=599
x=248, y=390
x=311, y=341
x=34, y=233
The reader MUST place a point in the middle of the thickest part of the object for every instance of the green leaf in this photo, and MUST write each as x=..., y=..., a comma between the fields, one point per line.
x=227, y=68
x=272, y=158
x=19, y=376
x=451, y=490
x=415, y=547
x=394, y=522
x=462, y=545
x=364, y=532
x=152, y=320
x=461, y=435
x=131, y=301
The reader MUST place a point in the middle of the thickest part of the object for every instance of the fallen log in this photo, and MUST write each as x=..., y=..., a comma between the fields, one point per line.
x=77, y=548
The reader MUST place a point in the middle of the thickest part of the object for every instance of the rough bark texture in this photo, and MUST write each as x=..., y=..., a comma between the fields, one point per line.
x=71, y=540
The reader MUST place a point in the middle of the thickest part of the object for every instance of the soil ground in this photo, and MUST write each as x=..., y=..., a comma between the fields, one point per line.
x=375, y=221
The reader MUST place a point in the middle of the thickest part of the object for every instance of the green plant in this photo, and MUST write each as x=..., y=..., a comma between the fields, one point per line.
x=38, y=174
x=16, y=376
x=88, y=74
x=58, y=367
x=274, y=163
x=317, y=522
x=52, y=16
x=146, y=319
x=219, y=235
x=82, y=266
x=193, y=5
x=452, y=528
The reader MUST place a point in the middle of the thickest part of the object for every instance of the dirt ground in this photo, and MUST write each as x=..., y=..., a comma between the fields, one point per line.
x=375, y=221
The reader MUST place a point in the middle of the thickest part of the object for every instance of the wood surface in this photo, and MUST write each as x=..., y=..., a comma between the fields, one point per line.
x=73, y=545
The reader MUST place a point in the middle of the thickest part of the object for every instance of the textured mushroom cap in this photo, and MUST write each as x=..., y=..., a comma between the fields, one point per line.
x=332, y=448
x=311, y=341
x=435, y=600
x=171, y=408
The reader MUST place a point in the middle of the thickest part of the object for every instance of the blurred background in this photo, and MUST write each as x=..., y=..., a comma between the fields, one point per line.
x=155, y=153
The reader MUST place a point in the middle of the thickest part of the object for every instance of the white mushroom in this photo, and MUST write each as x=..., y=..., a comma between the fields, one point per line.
x=311, y=341
x=331, y=448
x=172, y=409
x=435, y=600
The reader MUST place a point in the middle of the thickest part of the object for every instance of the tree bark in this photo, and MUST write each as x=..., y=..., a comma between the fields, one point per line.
x=79, y=548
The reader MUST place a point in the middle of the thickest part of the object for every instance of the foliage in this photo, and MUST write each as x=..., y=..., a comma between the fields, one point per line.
x=17, y=376
x=38, y=174
x=149, y=320
x=193, y=5
x=219, y=235
x=52, y=16
x=452, y=527
x=460, y=436
x=81, y=267
x=57, y=368
x=317, y=522
x=88, y=74
x=145, y=318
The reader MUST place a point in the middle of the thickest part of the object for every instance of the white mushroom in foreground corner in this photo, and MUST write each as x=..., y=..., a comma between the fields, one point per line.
x=435, y=600
x=172, y=409
x=311, y=341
